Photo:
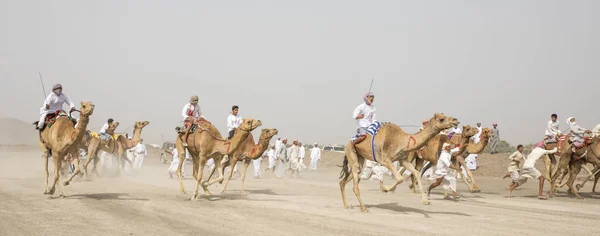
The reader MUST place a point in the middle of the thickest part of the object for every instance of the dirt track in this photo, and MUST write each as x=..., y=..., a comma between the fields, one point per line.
x=149, y=203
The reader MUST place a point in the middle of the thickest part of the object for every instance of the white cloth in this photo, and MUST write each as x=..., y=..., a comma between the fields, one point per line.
x=443, y=164
x=272, y=158
x=104, y=128
x=476, y=137
x=535, y=155
x=55, y=103
x=552, y=128
x=139, y=153
x=233, y=121
x=471, y=162
x=577, y=133
x=294, y=157
x=596, y=131
x=456, y=130
x=277, y=144
x=368, y=111
x=256, y=164
x=315, y=156
x=194, y=108
x=175, y=163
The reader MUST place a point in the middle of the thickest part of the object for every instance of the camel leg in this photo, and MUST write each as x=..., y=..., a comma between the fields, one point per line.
x=350, y=165
x=575, y=168
x=399, y=179
x=462, y=176
x=354, y=166
x=246, y=164
x=474, y=188
x=56, y=158
x=414, y=172
x=202, y=159
x=232, y=162
x=92, y=154
x=547, y=165
x=595, y=182
x=75, y=161
x=343, y=184
x=590, y=176
x=220, y=169
x=45, y=156
x=181, y=154
x=563, y=166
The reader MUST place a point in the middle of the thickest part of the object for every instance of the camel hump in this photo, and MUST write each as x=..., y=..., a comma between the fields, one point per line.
x=209, y=127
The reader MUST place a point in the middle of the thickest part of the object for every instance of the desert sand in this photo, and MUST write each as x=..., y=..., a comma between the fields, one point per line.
x=147, y=202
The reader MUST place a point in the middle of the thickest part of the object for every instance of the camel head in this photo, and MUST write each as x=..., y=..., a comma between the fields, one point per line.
x=140, y=124
x=485, y=133
x=441, y=122
x=87, y=108
x=268, y=133
x=469, y=131
x=112, y=127
x=249, y=124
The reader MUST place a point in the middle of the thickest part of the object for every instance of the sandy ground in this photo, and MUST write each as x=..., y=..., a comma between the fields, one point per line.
x=147, y=202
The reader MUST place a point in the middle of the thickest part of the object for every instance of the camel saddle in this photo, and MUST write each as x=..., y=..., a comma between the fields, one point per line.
x=587, y=141
x=51, y=119
x=195, y=123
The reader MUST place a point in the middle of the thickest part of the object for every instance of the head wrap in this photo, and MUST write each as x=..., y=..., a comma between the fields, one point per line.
x=445, y=145
x=56, y=86
x=194, y=100
x=366, y=98
x=569, y=120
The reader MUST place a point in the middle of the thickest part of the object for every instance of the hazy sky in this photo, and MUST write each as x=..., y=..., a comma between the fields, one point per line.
x=303, y=66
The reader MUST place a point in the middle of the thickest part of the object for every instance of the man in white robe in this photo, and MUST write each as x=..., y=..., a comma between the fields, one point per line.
x=471, y=160
x=530, y=172
x=315, y=156
x=272, y=158
x=256, y=163
x=281, y=155
x=54, y=102
x=301, y=155
x=139, y=153
x=175, y=163
x=294, y=159
x=443, y=174
x=552, y=130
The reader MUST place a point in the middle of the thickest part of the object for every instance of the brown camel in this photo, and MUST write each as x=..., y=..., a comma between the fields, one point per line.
x=568, y=164
x=205, y=143
x=391, y=144
x=247, y=152
x=472, y=148
x=61, y=140
x=432, y=151
x=117, y=145
x=92, y=137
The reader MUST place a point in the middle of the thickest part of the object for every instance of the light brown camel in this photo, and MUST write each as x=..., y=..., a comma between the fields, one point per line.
x=472, y=148
x=432, y=151
x=206, y=142
x=391, y=144
x=570, y=165
x=61, y=140
x=247, y=152
x=117, y=145
x=92, y=137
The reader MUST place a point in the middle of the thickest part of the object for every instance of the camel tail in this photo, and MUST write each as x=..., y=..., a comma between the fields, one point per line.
x=345, y=171
x=425, y=167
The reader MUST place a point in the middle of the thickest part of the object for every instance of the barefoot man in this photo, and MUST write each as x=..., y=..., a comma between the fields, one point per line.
x=513, y=168
x=443, y=173
x=530, y=172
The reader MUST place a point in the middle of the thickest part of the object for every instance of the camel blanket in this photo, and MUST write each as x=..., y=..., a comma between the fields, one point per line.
x=97, y=135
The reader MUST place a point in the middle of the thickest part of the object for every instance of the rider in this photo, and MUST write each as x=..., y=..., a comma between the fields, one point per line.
x=552, y=129
x=191, y=114
x=364, y=114
x=233, y=120
x=105, y=132
x=577, y=134
x=53, y=103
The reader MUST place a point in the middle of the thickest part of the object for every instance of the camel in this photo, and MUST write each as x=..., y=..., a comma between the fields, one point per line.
x=206, y=142
x=472, y=148
x=61, y=140
x=567, y=164
x=247, y=152
x=117, y=145
x=391, y=144
x=431, y=152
